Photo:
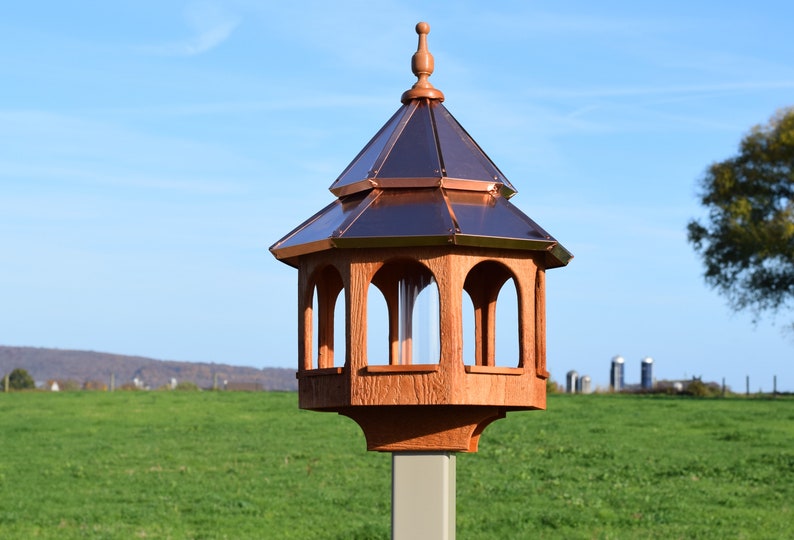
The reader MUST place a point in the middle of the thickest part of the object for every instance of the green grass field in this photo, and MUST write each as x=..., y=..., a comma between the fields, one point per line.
x=251, y=465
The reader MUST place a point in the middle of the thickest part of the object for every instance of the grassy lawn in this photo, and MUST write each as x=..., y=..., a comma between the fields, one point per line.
x=251, y=465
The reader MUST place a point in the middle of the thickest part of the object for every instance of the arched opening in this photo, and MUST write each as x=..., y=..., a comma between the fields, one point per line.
x=496, y=319
x=469, y=331
x=328, y=319
x=377, y=328
x=507, y=351
x=411, y=321
x=340, y=331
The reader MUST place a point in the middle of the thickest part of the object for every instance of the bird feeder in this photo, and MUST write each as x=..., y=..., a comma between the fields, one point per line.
x=420, y=208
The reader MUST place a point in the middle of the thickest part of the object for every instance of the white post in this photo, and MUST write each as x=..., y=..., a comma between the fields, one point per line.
x=423, y=496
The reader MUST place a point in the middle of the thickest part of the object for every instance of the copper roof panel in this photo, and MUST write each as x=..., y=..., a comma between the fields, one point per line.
x=363, y=167
x=321, y=226
x=422, y=144
x=416, y=217
x=414, y=154
x=397, y=213
x=482, y=214
x=462, y=156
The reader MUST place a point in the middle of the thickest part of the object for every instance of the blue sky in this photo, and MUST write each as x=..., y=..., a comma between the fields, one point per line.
x=151, y=152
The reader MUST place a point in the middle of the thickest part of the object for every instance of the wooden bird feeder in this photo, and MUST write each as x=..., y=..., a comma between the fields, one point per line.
x=421, y=207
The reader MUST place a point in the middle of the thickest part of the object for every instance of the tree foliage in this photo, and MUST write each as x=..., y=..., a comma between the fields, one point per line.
x=19, y=379
x=747, y=240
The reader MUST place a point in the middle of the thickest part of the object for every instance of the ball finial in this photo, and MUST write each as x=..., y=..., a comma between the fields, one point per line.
x=422, y=66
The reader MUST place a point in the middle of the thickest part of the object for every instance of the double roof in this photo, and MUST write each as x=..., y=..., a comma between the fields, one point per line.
x=422, y=180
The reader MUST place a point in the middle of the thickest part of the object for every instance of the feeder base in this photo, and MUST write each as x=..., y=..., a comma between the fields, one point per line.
x=423, y=428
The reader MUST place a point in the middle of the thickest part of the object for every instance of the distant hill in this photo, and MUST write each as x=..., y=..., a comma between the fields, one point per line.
x=80, y=367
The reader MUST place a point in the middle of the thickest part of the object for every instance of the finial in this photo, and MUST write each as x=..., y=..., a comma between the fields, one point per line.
x=422, y=66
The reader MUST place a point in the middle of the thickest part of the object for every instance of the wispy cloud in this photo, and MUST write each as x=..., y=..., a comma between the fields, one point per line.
x=211, y=26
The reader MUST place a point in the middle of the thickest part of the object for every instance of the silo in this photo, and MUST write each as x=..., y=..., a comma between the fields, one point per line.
x=571, y=381
x=647, y=373
x=616, y=374
x=585, y=384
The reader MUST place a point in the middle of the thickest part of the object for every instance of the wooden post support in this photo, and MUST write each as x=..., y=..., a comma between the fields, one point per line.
x=423, y=495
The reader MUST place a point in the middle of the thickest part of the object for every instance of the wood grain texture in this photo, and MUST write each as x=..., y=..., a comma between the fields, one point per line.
x=442, y=406
x=425, y=428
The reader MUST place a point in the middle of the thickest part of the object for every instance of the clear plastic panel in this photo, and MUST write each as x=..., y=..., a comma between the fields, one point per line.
x=411, y=300
x=418, y=319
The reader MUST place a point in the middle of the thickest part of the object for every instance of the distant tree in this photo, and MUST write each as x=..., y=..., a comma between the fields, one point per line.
x=747, y=240
x=187, y=386
x=698, y=388
x=19, y=379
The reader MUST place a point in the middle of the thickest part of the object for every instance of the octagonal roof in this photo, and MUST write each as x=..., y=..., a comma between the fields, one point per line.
x=421, y=180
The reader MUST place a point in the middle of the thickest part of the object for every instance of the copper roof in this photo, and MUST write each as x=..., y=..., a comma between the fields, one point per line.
x=421, y=180
x=422, y=146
